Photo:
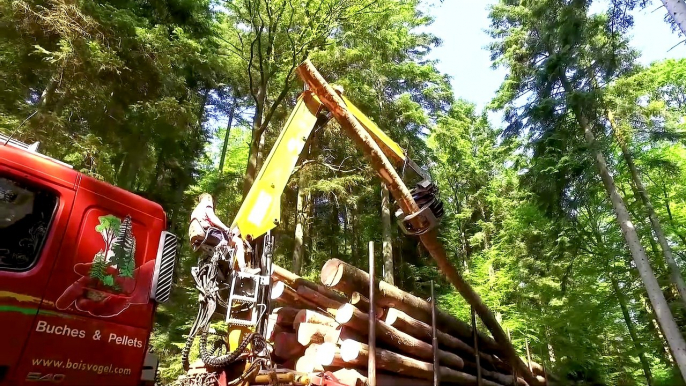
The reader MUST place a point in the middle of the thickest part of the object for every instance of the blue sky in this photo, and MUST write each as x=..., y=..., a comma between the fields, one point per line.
x=461, y=25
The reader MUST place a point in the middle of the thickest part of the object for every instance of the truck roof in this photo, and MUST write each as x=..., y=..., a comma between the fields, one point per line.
x=26, y=158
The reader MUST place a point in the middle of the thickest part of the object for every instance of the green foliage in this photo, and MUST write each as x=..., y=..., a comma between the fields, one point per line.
x=138, y=94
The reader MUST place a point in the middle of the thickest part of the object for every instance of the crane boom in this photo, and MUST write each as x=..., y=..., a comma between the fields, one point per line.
x=260, y=211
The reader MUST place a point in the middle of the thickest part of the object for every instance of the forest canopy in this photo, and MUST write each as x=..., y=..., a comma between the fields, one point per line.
x=568, y=218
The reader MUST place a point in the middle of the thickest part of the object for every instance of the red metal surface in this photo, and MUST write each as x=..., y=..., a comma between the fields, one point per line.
x=56, y=324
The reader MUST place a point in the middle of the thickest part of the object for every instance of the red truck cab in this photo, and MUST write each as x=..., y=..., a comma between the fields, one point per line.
x=83, y=265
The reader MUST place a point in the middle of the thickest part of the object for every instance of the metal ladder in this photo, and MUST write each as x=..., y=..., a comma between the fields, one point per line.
x=240, y=281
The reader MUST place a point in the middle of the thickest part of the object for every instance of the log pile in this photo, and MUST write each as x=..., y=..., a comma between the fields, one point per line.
x=325, y=327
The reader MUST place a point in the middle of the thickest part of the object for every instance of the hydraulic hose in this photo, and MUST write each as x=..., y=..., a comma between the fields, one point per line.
x=227, y=359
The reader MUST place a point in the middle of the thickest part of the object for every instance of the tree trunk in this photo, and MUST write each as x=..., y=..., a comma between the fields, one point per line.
x=349, y=315
x=348, y=279
x=225, y=147
x=295, y=281
x=362, y=303
x=253, y=155
x=677, y=11
x=319, y=299
x=351, y=377
x=655, y=329
x=289, y=297
x=334, y=228
x=421, y=330
x=286, y=345
x=309, y=316
x=657, y=298
x=284, y=316
x=356, y=353
x=387, y=244
x=390, y=176
x=312, y=333
x=342, y=333
x=299, y=219
x=632, y=330
x=675, y=273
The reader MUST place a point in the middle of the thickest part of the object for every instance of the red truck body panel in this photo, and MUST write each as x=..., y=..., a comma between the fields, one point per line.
x=80, y=314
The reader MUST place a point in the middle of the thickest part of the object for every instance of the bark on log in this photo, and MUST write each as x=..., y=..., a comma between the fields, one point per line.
x=362, y=303
x=286, y=345
x=342, y=333
x=288, y=296
x=349, y=279
x=350, y=316
x=352, y=376
x=355, y=353
x=374, y=154
x=312, y=333
x=285, y=315
x=309, y=316
x=421, y=330
x=273, y=328
x=327, y=304
x=505, y=379
x=295, y=281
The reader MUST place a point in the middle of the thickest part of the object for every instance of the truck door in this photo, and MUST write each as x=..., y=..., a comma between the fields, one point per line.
x=97, y=315
x=33, y=216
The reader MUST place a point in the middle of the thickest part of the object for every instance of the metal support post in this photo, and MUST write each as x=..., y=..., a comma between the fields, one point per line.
x=434, y=339
x=371, y=375
x=475, y=334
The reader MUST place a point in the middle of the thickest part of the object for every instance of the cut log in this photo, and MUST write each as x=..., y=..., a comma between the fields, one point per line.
x=348, y=279
x=308, y=363
x=325, y=353
x=286, y=345
x=316, y=297
x=353, y=377
x=422, y=331
x=350, y=316
x=285, y=315
x=312, y=333
x=288, y=296
x=309, y=316
x=342, y=333
x=273, y=328
x=355, y=353
x=362, y=304
x=505, y=379
x=305, y=364
x=295, y=281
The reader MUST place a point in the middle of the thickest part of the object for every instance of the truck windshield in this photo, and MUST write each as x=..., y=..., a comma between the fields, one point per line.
x=26, y=213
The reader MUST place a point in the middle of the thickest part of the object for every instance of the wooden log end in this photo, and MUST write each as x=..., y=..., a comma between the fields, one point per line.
x=329, y=274
x=345, y=313
x=391, y=316
x=350, y=350
x=277, y=290
x=326, y=352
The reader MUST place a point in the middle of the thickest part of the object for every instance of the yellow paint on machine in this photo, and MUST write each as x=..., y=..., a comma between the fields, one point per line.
x=390, y=148
x=261, y=209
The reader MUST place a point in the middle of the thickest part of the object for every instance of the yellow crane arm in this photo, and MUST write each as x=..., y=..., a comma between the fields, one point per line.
x=261, y=208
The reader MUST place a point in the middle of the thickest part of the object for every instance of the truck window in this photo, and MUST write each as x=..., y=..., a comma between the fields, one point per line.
x=26, y=212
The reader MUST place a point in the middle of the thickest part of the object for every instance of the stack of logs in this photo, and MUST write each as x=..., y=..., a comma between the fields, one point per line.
x=317, y=327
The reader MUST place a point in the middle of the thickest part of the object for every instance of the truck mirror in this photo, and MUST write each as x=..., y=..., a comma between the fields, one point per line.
x=164, y=267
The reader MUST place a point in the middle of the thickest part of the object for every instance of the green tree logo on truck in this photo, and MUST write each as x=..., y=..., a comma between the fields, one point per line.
x=118, y=256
